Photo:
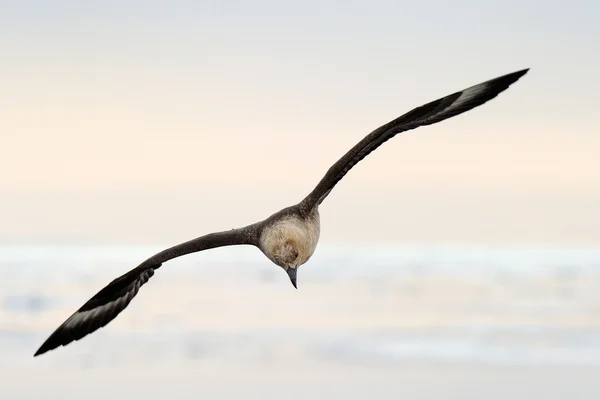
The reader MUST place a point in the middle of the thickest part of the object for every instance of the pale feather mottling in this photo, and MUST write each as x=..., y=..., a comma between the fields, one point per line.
x=302, y=235
x=466, y=95
x=82, y=316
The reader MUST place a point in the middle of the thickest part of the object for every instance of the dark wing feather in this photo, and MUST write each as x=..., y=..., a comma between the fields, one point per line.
x=116, y=296
x=435, y=111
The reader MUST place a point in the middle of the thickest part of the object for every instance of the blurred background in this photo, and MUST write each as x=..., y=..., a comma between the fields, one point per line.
x=460, y=260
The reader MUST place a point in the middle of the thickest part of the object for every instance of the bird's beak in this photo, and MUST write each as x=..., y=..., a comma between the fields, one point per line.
x=292, y=274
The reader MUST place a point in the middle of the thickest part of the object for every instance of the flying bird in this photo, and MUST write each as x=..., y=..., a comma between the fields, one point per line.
x=288, y=237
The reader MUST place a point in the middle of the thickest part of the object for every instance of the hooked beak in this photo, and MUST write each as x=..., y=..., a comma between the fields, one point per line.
x=292, y=274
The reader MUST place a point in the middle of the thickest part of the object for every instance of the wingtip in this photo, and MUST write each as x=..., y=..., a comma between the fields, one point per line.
x=516, y=74
x=49, y=344
x=506, y=80
x=43, y=349
x=520, y=73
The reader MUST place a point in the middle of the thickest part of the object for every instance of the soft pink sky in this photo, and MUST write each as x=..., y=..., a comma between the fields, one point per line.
x=129, y=124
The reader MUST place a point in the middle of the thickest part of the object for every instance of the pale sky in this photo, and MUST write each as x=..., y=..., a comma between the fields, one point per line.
x=145, y=122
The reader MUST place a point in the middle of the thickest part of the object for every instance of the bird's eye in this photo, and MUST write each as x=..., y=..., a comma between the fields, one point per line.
x=296, y=254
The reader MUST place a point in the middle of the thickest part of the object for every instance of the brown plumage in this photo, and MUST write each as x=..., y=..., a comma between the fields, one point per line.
x=288, y=237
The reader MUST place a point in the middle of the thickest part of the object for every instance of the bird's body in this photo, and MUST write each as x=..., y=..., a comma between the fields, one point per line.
x=288, y=237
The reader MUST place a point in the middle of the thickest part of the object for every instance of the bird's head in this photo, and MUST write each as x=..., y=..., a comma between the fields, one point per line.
x=287, y=255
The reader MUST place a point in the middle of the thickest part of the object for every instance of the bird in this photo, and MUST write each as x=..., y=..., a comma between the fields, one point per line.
x=289, y=236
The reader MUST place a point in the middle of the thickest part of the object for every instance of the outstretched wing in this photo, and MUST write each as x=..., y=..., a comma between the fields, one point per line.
x=436, y=111
x=116, y=296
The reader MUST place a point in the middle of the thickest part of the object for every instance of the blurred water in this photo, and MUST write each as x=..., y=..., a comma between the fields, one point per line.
x=361, y=305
